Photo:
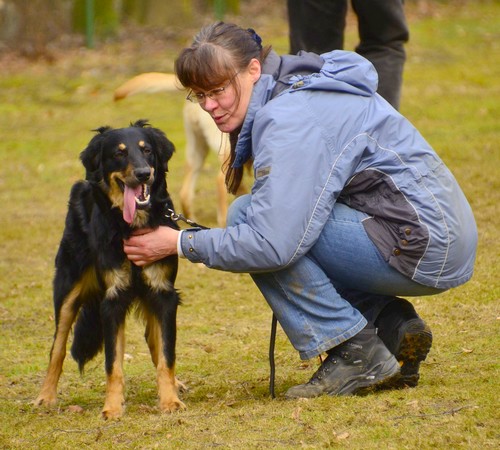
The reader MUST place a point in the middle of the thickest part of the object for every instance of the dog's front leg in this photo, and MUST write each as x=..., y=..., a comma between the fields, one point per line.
x=168, y=388
x=115, y=380
x=114, y=310
x=168, y=385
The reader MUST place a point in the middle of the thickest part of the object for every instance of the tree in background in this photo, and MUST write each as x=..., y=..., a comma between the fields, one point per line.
x=30, y=26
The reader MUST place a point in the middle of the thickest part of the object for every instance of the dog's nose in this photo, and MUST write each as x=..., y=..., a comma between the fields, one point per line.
x=142, y=174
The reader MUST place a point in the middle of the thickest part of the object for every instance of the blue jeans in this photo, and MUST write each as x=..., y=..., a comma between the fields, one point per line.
x=305, y=297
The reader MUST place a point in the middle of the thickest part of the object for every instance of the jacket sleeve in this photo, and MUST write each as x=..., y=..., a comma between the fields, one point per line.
x=297, y=180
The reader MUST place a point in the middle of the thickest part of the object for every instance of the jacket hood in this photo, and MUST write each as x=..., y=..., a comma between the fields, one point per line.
x=336, y=71
x=339, y=71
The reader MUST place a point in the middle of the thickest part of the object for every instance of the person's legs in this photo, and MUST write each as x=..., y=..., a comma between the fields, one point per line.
x=317, y=319
x=401, y=329
x=383, y=32
x=406, y=336
x=316, y=25
x=309, y=309
x=372, y=286
x=311, y=312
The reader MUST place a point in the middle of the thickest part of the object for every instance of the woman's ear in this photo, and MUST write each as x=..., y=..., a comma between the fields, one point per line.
x=254, y=69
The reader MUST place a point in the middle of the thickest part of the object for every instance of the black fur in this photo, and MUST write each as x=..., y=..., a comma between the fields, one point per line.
x=91, y=260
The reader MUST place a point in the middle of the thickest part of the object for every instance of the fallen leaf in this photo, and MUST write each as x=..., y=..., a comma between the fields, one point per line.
x=296, y=413
x=75, y=409
x=342, y=436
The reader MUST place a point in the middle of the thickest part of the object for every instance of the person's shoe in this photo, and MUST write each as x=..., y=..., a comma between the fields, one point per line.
x=407, y=337
x=357, y=365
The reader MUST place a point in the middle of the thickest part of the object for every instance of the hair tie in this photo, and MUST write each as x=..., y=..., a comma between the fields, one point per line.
x=255, y=37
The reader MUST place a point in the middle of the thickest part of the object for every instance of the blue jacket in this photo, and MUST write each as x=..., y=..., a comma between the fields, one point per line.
x=318, y=134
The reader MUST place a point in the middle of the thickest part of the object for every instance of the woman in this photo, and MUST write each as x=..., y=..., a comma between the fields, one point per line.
x=350, y=207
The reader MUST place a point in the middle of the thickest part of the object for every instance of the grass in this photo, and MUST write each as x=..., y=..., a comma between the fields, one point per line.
x=451, y=93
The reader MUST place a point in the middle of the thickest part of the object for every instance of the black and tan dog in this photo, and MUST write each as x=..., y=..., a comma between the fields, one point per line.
x=95, y=284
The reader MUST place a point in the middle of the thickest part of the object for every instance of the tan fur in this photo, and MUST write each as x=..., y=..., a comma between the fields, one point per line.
x=168, y=385
x=115, y=382
x=158, y=277
x=48, y=393
x=116, y=280
x=115, y=194
x=150, y=82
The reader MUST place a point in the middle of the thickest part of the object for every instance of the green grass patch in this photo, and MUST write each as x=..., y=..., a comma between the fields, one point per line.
x=451, y=93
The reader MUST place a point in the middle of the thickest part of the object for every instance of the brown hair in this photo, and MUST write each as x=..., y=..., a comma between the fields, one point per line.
x=217, y=53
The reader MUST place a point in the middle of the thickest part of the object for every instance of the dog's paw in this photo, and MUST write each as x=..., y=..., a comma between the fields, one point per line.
x=110, y=413
x=172, y=405
x=114, y=406
x=45, y=400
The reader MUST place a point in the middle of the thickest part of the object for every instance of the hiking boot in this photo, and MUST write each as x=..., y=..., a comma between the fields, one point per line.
x=407, y=337
x=353, y=367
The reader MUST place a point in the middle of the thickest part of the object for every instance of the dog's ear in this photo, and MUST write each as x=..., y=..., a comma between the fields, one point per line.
x=91, y=156
x=164, y=147
x=141, y=123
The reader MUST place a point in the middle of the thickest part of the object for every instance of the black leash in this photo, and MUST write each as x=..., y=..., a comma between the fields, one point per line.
x=176, y=217
x=272, y=341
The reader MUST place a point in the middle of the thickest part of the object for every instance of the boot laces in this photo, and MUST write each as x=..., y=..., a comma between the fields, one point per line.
x=327, y=366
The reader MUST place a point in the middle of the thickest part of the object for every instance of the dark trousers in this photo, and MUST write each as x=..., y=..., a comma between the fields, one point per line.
x=318, y=26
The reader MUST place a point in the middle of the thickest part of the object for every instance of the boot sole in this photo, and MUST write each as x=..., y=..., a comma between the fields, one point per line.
x=413, y=349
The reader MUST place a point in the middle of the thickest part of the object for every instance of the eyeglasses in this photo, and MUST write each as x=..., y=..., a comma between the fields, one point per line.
x=214, y=94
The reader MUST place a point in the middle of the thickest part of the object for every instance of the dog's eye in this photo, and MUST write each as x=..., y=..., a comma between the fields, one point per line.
x=147, y=150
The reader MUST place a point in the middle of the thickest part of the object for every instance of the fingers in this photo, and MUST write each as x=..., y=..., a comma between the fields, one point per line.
x=148, y=246
x=134, y=249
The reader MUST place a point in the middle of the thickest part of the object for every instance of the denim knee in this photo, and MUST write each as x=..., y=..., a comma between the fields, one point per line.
x=237, y=212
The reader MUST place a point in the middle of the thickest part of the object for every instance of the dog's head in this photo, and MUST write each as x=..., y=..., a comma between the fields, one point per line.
x=129, y=165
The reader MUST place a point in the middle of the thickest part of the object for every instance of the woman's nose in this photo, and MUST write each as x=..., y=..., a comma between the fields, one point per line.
x=209, y=104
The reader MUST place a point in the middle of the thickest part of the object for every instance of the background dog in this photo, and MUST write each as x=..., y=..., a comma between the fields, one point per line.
x=201, y=135
x=95, y=284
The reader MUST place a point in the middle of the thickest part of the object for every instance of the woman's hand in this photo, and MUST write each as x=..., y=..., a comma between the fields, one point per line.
x=147, y=246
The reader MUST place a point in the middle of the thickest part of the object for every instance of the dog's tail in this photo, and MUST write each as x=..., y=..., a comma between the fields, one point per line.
x=150, y=83
x=88, y=335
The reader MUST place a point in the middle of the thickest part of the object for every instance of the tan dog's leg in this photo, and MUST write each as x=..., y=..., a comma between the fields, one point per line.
x=196, y=153
x=221, y=199
x=115, y=381
x=67, y=314
x=168, y=386
x=219, y=142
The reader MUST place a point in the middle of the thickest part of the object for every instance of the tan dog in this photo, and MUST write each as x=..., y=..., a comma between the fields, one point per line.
x=201, y=135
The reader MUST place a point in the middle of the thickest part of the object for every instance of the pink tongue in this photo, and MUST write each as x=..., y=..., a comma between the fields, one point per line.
x=129, y=203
